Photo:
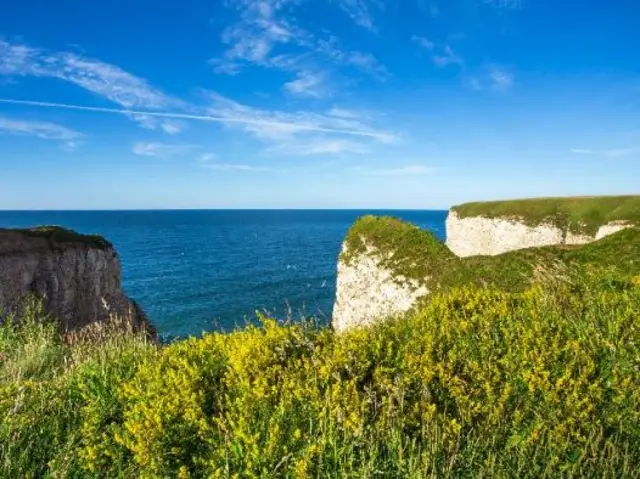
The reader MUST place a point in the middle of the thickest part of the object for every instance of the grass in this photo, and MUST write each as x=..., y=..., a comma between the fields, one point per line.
x=411, y=252
x=578, y=214
x=57, y=234
x=478, y=382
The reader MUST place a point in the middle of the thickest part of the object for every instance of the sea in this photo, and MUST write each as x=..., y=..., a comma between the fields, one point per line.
x=196, y=271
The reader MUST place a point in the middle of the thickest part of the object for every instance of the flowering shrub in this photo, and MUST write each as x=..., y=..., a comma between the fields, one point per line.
x=478, y=382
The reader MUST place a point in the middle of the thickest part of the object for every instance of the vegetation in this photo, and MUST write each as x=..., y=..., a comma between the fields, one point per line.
x=578, y=215
x=57, y=234
x=411, y=252
x=478, y=383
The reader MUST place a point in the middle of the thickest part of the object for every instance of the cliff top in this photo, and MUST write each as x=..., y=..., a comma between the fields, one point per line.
x=583, y=214
x=411, y=252
x=17, y=240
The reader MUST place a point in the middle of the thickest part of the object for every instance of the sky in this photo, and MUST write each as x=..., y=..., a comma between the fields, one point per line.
x=316, y=104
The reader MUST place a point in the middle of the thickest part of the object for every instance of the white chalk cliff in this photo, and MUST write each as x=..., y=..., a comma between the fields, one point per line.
x=476, y=235
x=367, y=291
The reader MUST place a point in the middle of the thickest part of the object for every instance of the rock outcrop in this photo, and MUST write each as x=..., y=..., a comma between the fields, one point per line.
x=388, y=266
x=367, y=290
x=77, y=276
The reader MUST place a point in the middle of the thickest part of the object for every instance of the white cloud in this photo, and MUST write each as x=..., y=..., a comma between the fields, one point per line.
x=320, y=146
x=504, y=4
x=267, y=35
x=39, y=129
x=447, y=57
x=234, y=167
x=500, y=77
x=408, y=170
x=493, y=76
x=280, y=125
x=102, y=79
x=160, y=150
x=361, y=11
x=423, y=42
x=207, y=160
x=612, y=153
x=307, y=84
x=344, y=113
x=264, y=123
x=171, y=127
x=365, y=62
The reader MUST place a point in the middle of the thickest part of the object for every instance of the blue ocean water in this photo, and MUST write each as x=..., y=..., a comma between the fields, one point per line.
x=195, y=271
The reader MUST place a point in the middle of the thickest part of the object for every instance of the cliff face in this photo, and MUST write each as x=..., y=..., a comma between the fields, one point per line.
x=387, y=266
x=366, y=291
x=473, y=236
x=77, y=276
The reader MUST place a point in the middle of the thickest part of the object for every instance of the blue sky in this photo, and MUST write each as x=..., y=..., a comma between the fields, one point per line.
x=315, y=104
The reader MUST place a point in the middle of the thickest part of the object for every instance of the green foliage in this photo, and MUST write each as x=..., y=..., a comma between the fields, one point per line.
x=479, y=382
x=414, y=253
x=57, y=234
x=578, y=215
x=59, y=395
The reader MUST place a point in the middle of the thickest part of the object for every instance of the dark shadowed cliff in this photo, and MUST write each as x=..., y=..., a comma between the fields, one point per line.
x=77, y=276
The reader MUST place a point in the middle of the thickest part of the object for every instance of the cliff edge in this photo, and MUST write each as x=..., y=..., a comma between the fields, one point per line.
x=77, y=276
x=495, y=227
x=387, y=267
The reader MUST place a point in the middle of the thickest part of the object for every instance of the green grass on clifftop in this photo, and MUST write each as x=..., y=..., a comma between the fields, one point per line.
x=578, y=214
x=411, y=252
x=57, y=234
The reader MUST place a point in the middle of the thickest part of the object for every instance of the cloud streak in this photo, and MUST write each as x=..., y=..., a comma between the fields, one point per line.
x=307, y=84
x=38, y=129
x=361, y=12
x=160, y=150
x=255, y=120
x=408, y=170
x=612, y=153
x=105, y=80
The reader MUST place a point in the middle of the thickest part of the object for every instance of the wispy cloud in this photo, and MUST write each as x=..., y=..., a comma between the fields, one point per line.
x=268, y=35
x=365, y=62
x=500, y=77
x=160, y=150
x=612, y=153
x=447, y=57
x=442, y=55
x=494, y=77
x=107, y=81
x=504, y=4
x=362, y=11
x=307, y=84
x=208, y=160
x=408, y=170
x=423, y=42
x=39, y=129
x=170, y=127
x=102, y=79
x=280, y=125
x=235, y=167
x=320, y=146
x=261, y=122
